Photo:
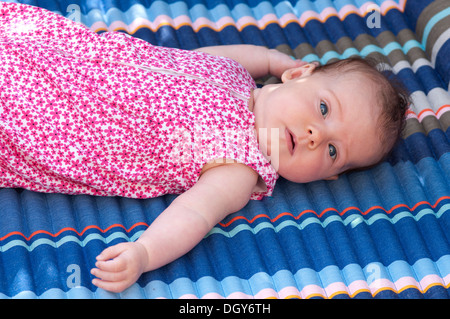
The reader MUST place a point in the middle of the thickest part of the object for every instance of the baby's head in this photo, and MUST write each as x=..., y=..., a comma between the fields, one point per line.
x=392, y=97
x=331, y=119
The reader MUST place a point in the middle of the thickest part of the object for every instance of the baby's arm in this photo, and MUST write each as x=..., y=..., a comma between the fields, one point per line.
x=221, y=190
x=258, y=60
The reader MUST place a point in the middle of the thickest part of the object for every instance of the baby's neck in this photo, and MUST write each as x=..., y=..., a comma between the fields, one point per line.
x=251, y=102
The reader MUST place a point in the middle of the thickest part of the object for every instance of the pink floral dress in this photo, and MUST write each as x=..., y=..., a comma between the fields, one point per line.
x=112, y=115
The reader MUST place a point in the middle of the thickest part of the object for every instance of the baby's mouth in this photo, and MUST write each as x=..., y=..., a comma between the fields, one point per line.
x=290, y=140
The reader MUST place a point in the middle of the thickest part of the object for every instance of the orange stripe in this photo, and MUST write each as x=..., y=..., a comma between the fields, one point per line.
x=250, y=221
x=442, y=107
x=384, y=289
x=428, y=110
x=320, y=19
x=72, y=229
x=425, y=110
x=335, y=210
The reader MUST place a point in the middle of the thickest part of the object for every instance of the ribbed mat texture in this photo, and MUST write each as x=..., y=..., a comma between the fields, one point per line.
x=380, y=233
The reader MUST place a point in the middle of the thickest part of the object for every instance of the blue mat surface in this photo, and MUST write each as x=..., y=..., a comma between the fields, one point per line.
x=380, y=233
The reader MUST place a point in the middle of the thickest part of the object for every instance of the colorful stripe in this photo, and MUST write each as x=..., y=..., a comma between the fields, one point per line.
x=220, y=17
x=353, y=220
x=327, y=283
x=68, y=238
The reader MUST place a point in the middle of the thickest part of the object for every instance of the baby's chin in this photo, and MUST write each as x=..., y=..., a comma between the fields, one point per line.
x=304, y=180
x=296, y=178
x=301, y=177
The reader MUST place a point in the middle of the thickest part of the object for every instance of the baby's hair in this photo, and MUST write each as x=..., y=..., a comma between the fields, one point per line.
x=392, y=95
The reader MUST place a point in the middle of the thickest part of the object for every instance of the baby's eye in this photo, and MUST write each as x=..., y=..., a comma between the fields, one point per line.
x=332, y=151
x=323, y=108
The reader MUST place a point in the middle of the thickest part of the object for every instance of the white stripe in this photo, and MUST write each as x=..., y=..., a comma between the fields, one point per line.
x=401, y=65
x=444, y=37
x=435, y=99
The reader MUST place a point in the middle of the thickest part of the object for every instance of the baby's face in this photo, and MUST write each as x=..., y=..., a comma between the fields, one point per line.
x=326, y=124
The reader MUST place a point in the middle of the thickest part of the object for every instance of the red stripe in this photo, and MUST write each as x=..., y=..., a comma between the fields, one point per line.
x=72, y=229
x=334, y=209
x=250, y=221
x=428, y=110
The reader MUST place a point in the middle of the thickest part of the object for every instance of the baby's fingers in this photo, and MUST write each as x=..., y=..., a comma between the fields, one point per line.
x=105, y=275
x=114, y=265
x=112, y=252
x=112, y=286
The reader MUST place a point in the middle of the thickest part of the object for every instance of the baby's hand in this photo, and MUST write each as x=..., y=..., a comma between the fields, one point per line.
x=119, y=266
x=280, y=62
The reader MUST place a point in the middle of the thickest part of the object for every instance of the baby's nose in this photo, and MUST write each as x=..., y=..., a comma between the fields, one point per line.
x=315, y=137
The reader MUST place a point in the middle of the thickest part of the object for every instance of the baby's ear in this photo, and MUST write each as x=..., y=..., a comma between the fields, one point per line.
x=298, y=72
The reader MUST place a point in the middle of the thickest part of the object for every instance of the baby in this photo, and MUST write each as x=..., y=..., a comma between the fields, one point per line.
x=112, y=115
x=330, y=119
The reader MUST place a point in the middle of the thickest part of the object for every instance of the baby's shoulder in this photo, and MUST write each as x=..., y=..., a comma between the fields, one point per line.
x=234, y=175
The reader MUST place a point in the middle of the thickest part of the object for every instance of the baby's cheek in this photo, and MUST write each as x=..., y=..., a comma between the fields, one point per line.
x=304, y=170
